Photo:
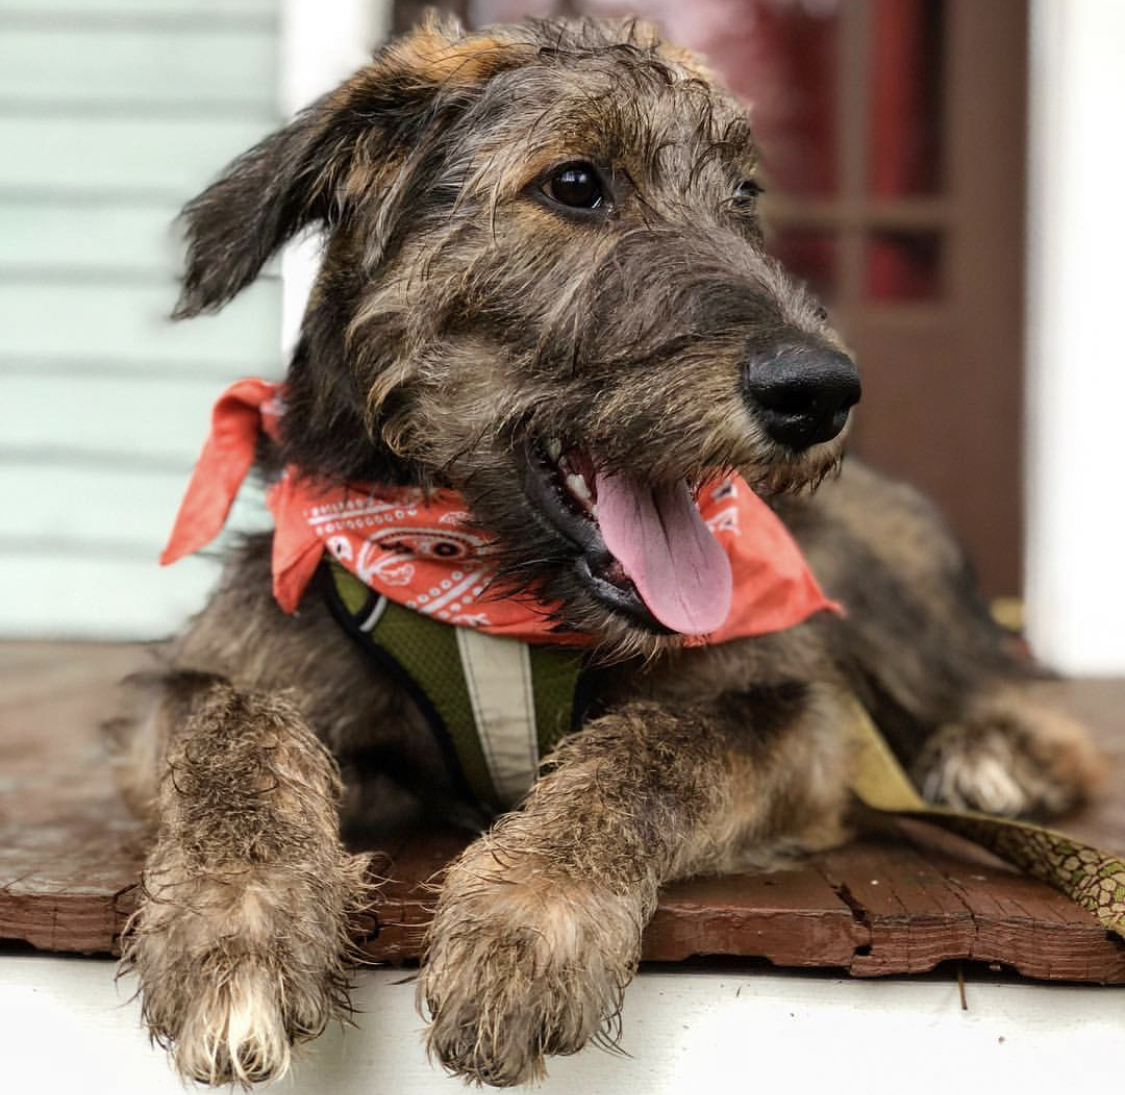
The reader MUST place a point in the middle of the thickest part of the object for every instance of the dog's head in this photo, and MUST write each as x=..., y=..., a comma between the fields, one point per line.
x=544, y=285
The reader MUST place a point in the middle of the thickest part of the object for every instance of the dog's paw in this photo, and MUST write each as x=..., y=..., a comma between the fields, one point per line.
x=231, y=1018
x=521, y=964
x=235, y=972
x=235, y=1029
x=1009, y=757
x=976, y=775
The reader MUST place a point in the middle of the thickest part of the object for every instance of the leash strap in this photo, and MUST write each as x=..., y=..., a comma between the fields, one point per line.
x=496, y=705
x=1088, y=876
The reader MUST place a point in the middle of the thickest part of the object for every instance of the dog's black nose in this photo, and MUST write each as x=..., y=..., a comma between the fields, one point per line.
x=802, y=395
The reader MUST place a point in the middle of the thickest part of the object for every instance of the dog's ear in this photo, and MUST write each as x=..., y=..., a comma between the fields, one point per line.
x=331, y=152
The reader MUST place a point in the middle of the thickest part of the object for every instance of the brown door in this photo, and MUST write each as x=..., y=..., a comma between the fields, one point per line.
x=893, y=135
x=915, y=234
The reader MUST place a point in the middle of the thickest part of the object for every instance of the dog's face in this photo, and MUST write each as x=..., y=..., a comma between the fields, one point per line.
x=543, y=285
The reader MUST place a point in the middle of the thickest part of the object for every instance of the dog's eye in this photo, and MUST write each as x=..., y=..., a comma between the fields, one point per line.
x=576, y=185
x=747, y=192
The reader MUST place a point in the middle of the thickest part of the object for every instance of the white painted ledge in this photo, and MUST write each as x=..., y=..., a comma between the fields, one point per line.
x=1076, y=363
x=66, y=1027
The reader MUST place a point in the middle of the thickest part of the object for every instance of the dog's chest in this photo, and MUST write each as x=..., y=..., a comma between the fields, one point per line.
x=496, y=705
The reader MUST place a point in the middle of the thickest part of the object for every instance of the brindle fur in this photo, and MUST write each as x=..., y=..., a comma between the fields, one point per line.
x=455, y=315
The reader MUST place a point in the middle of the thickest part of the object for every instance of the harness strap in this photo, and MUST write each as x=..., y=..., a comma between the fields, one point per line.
x=496, y=705
x=1088, y=876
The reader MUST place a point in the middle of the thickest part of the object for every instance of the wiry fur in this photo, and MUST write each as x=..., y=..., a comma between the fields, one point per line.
x=457, y=317
x=247, y=893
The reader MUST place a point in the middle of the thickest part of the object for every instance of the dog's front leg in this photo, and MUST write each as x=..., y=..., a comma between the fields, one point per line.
x=538, y=928
x=238, y=938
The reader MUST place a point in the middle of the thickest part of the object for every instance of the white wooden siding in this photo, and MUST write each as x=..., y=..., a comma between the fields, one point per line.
x=112, y=114
x=105, y=320
x=82, y=155
x=150, y=415
x=103, y=11
x=54, y=239
x=1076, y=382
x=49, y=66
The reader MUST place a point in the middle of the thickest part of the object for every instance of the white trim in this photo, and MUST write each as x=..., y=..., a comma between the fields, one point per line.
x=375, y=615
x=322, y=42
x=1076, y=366
x=498, y=674
x=69, y=1026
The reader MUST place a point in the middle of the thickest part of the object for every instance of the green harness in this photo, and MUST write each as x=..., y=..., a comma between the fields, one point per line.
x=497, y=705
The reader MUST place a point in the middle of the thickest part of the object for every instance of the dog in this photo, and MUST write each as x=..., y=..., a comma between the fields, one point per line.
x=544, y=290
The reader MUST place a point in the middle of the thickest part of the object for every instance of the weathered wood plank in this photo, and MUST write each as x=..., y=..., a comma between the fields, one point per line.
x=69, y=852
x=924, y=905
x=69, y=856
x=35, y=673
x=405, y=902
x=792, y=918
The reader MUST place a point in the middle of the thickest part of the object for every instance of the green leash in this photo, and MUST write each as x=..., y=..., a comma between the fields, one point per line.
x=1088, y=876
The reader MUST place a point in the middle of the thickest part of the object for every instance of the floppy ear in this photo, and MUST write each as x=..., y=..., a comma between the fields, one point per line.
x=306, y=172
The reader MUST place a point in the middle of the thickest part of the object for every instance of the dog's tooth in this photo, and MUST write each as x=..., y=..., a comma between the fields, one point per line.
x=577, y=486
x=554, y=449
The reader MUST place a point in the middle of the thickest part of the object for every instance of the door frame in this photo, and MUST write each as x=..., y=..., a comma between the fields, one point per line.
x=321, y=44
x=1075, y=391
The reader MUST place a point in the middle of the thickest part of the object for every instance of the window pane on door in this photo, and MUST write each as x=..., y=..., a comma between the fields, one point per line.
x=903, y=266
x=905, y=100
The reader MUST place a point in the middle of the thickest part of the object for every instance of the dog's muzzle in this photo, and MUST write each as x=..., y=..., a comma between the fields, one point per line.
x=801, y=395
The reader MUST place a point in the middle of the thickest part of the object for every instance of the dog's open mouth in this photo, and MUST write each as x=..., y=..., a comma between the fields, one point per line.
x=644, y=551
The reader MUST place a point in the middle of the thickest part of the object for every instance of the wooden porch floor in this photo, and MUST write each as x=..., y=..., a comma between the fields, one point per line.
x=899, y=902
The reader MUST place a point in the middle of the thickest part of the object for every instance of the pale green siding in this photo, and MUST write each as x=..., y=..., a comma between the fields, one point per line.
x=59, y=239
x=84, y=155
x=48, y=66
x=103, y=320
x=103, y=12
x=112, y=114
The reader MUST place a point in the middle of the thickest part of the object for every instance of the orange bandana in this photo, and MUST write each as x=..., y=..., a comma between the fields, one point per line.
x=419, y=551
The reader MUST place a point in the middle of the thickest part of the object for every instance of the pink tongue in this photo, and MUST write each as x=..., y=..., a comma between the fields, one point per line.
x=658, y=536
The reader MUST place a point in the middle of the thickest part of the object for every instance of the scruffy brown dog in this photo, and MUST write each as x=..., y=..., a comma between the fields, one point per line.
x=539, y=239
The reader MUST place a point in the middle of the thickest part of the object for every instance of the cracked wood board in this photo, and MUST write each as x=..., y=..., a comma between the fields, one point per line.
x=901, y=901
x=69, y=850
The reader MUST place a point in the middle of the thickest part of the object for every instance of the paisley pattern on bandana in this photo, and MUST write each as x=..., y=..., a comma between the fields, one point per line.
x=421, y=551
x=401, y=544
